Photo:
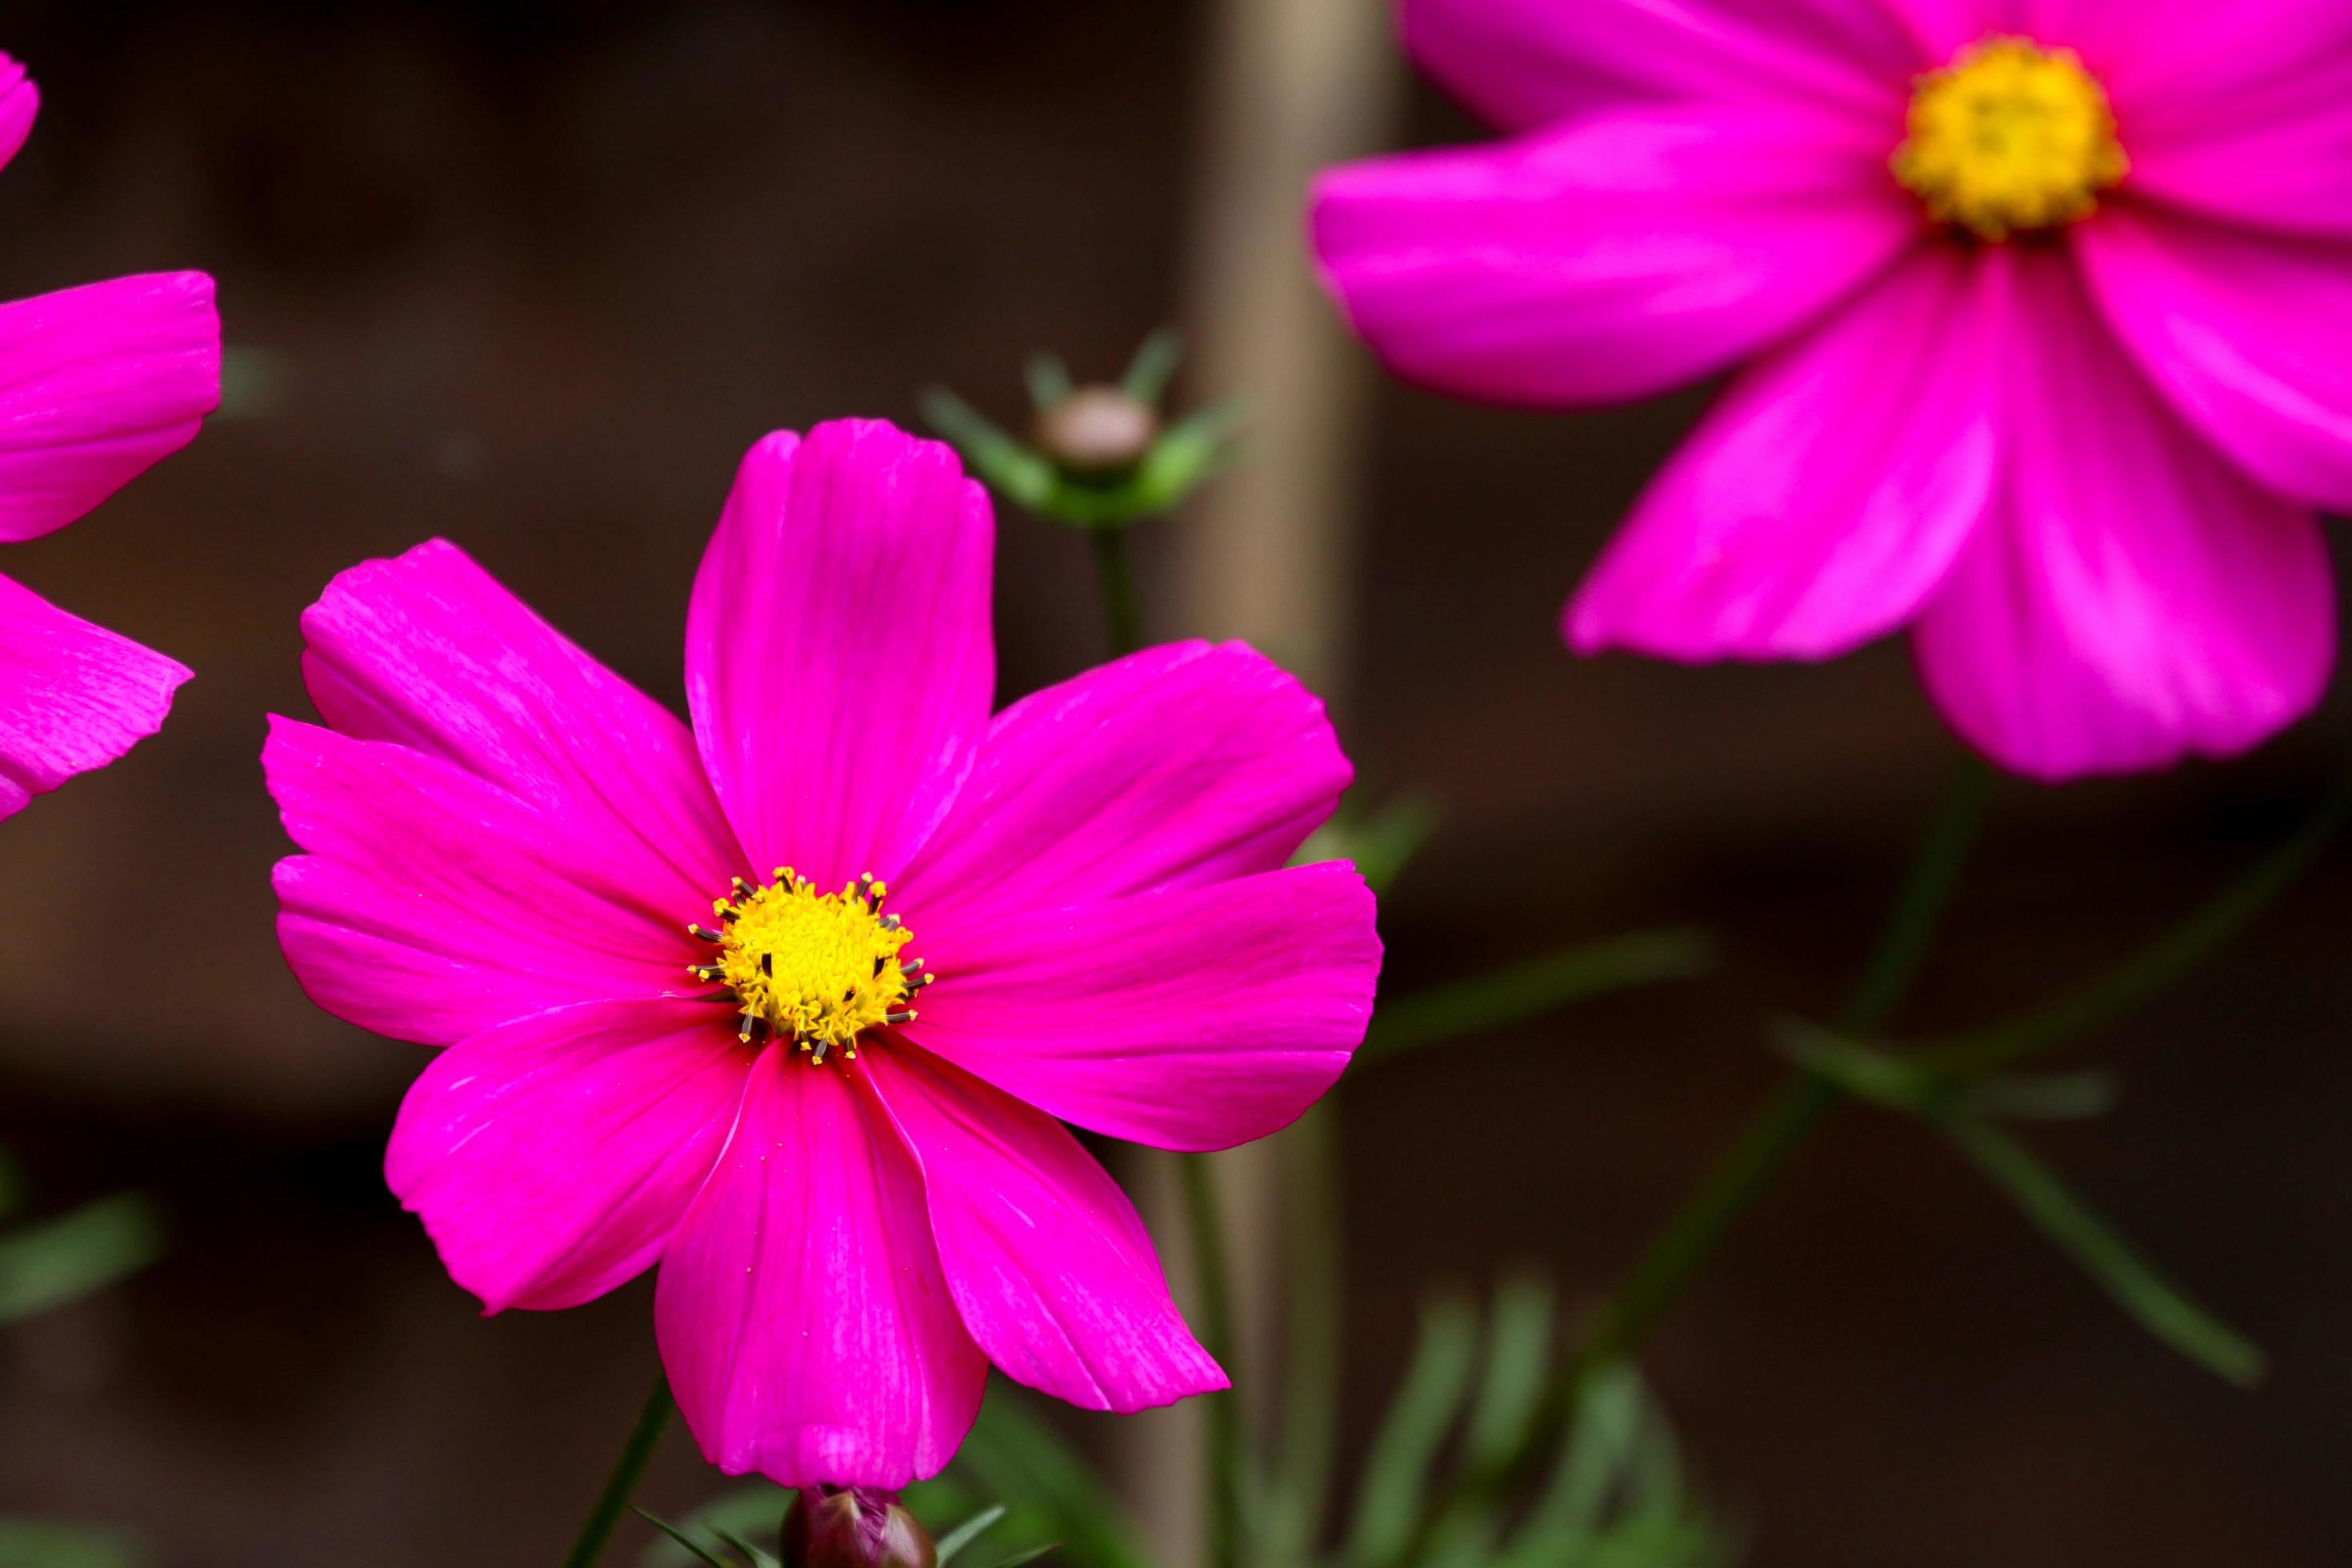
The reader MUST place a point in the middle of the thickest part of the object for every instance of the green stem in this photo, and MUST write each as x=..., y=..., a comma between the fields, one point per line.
x=2150, y=973
x=1311, y=1340
x=1222, y=1412
x=1764, y=1148
x=1756, y=1160
x=1122, y=607
x=622, y=1484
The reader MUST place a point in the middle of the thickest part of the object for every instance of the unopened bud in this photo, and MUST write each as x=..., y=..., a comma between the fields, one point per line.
x=853, y=1527
x=1097, y=432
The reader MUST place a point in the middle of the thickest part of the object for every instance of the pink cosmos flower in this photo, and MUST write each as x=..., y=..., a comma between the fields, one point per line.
x=2049, y=306
x=795, y=1002
x=96, y=384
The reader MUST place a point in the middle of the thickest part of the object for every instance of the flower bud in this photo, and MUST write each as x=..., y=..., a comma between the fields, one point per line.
x=853, y=1527
x=1097, y=432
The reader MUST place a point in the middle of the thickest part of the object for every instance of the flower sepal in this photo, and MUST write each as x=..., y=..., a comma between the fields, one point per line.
x=1098, y=455
x=854, y=1527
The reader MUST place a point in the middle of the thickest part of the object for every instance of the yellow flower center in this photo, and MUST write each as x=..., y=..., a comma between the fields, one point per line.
x=818, y=969
x=2010, y=138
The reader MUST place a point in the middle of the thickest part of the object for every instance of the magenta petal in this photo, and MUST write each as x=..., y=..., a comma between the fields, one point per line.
x=838, y=658
x=806, y=1328
x=1192, y=1018
x=96, y=384
x=1050, y=1266
x=2178, y=69
x=20, y=100
x=2251, y=338
x=1826, y=497
x=73, y=696
x=550, y=1158
x=2133, y=598
x=1612, y=259
x=428, y=652
x=434, y=905
x=1524, y=63
x=1175, y=767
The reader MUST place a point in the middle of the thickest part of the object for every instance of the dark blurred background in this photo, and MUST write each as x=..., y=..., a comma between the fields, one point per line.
x=533, y=276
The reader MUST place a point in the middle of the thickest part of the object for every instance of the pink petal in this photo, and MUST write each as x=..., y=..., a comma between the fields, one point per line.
x=839, y=661
x=1176, y=767
x=427, y=650
x=1048, y=1262
x=550, y=1158
x=2251, y=338
x=73, y=696
x=2133, y=599
x=434, y=905
x=807, y=1330
x=1612, y=259
x=1190, y=1019
x=1524, y=63
x=20, y=100
x=96, y=384
x=1826, y=497
x=2181, y=68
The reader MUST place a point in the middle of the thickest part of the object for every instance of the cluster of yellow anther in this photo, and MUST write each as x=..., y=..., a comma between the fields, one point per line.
x=819, y=969
x=2010, y=138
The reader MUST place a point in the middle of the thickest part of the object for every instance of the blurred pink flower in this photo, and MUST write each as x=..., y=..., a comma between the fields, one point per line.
x=96, y=384
x=858, y=1202
x=2050, y=309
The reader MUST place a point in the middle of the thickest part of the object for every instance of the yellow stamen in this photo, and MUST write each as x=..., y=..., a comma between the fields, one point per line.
x=2010, y=138
x=819, y=969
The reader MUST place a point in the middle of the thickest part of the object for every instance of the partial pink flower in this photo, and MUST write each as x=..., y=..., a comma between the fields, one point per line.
x=96, y=384
x=795, y=1002
x=2045, y=306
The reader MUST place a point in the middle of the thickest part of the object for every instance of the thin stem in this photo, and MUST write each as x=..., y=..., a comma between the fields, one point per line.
x=1757, y=1158
x=2148, y=974
x=1764, y=1148
x=1205, y=1221
x=622, y=1484
x=1927, y=893
x=1313, y=1326
x=1122, y=609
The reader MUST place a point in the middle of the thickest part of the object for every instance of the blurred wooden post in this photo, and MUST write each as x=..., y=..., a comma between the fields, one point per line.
x=1293, y=85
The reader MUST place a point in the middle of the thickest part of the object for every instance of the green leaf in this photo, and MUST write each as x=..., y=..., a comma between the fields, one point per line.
x=1873, y=1076
x=1015, y=1458
x=1908, y=1084
x=748, y=1553
x=1518, y=1355
x=1528, y=990
x=63, y=1260
x=1031, y=1556
x=1599, y=1443
x=38, y=1543
x=2051, y=1097
x=969, y=1531
x=755, y=1509
x=2094, y=1245
x=694, y=1550
x=1396, y=1476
